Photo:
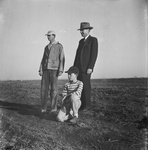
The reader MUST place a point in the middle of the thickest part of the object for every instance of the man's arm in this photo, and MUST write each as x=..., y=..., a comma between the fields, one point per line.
x=94, y=53
x=76, y=60
x=41, y=65
x=40, y=70
x=61, y=61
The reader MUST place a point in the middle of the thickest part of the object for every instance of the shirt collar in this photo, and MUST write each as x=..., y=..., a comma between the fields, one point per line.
x=55, y=42
x=86, y=37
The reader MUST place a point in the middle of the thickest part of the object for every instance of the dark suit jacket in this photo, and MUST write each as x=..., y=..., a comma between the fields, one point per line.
x=86, y=54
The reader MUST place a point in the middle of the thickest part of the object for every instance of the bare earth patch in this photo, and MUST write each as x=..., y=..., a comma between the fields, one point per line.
x=114, y=122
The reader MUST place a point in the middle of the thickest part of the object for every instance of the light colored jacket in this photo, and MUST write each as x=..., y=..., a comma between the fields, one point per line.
x=53, y=58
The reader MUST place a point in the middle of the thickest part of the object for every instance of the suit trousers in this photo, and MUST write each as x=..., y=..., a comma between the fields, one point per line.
x=49, y=86
x=86, y=92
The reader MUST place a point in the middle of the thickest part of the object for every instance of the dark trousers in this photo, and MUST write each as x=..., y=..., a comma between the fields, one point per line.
x=49, y=84
x=86, y=92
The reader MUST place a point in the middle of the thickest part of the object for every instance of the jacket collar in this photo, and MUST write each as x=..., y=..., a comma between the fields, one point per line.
x=53, y=43
x=87, y=40
x=87, y=37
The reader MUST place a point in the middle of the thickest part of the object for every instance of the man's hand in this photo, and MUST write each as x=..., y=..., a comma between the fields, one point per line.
x=40, y=73
x=89, y=71
x=60, y=73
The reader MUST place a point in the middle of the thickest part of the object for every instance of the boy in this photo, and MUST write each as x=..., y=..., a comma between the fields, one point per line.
x=71, y=97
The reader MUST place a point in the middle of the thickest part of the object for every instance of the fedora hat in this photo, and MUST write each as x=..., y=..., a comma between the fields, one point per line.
x=85, y=25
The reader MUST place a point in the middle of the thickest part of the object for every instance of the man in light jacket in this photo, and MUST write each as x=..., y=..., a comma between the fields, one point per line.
x=52, y=66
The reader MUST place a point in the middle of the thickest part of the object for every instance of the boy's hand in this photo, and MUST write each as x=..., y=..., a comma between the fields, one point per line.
x=66, y=96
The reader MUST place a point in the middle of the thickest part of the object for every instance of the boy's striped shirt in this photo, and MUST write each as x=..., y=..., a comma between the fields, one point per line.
x=75, y=88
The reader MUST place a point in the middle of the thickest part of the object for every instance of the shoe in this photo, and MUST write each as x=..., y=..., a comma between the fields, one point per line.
x=53, y=110
x=74, y=119
x=43, y=111
x=85, y=109
x=82, y=108
x=59, y=120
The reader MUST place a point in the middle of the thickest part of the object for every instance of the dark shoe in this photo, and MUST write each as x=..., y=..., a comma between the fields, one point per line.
x=84, y=109
x=53, y=110
x=74, y=119
x=43, y=111
x=81, y=108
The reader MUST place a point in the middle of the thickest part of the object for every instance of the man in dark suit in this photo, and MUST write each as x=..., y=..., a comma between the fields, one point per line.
x=85, y=59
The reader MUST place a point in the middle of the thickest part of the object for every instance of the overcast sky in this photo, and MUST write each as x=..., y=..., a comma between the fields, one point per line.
x=119, y=25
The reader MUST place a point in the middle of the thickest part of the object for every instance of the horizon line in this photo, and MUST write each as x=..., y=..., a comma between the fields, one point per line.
x=67, y=79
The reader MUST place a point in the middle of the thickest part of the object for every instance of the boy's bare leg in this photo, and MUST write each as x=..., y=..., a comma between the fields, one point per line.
x=76, y=103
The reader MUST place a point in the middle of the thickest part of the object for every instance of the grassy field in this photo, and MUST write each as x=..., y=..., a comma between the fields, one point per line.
x=112, y=123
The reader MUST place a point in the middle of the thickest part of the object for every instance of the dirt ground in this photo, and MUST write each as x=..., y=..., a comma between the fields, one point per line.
x=114, y=122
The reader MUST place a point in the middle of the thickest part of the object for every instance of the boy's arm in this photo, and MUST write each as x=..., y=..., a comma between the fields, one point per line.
x=79, y=89
x=64, y=90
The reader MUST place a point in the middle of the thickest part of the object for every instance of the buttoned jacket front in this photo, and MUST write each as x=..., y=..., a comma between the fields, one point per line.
x=53, y=56
x=86, y=54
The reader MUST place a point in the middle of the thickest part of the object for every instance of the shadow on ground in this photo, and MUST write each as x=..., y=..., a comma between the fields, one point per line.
x=25, y=109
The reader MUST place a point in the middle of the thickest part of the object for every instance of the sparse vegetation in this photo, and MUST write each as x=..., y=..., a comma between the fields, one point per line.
x=111, y=123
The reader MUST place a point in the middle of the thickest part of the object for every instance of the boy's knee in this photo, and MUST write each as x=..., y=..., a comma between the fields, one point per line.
x=74, y=97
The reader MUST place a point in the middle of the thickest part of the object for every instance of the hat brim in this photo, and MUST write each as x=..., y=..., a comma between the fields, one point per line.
x=70, y=72
x=85, y=28
x=48, y=34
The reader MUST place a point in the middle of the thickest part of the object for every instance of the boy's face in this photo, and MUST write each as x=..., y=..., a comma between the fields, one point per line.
x=72, y=77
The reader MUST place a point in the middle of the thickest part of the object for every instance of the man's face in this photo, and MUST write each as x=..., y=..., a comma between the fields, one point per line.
x=84, y=32
x=51, y=37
